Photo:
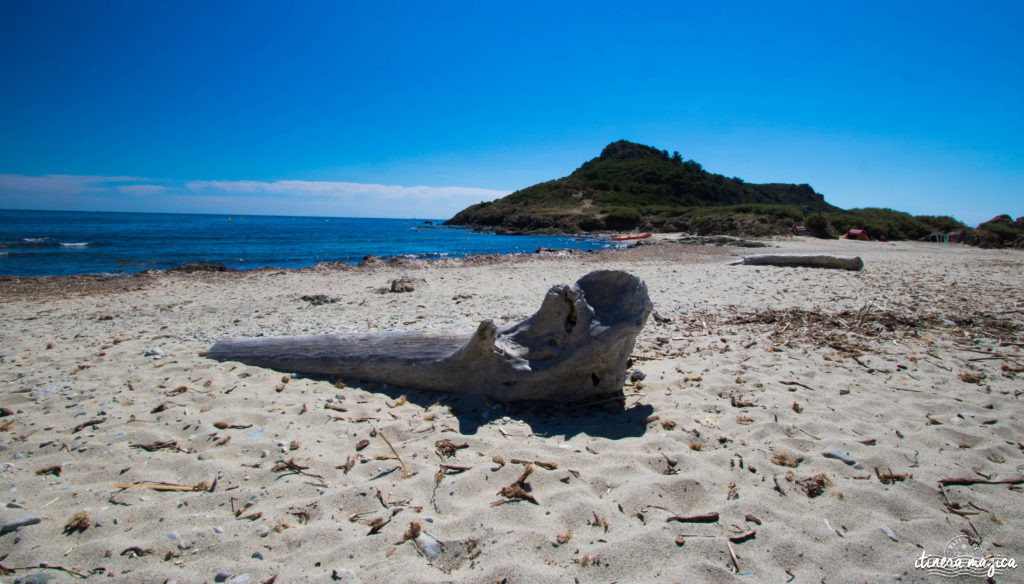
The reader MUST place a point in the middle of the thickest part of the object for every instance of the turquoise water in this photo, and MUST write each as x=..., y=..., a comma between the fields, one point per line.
x=52, y=243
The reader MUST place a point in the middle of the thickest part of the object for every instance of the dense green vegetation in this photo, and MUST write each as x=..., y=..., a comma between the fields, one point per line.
x=944, y=224
x=879, y=223
x=632, y=186
x=1001, y=231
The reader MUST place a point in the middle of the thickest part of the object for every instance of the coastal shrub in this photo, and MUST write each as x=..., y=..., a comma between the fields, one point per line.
x=818, y=226
x=622, y=218
x=943, y=224
x=1005, y=233
x=879, y=223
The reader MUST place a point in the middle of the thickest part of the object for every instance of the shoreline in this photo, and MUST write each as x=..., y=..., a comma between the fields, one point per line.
x=89, y=283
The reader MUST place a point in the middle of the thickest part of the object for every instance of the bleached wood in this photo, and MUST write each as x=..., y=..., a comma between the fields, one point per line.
x=812, y=261
x=575, y=347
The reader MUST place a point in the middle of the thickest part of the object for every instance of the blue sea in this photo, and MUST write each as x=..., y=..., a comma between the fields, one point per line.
x=57, y=243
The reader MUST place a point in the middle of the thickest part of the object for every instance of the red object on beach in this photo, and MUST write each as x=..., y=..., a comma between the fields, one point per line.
x=629, y=237
x=857, y=234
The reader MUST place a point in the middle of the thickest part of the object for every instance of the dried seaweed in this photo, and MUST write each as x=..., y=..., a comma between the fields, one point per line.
x=87, y=424
x=288, y=467
x=816, y=485
x=703, y=518
x=350, y=462
x=783, y=459
x=79, y=522
x=447, y=448
x=158, y=445
x=518, y=490
x=229, y=426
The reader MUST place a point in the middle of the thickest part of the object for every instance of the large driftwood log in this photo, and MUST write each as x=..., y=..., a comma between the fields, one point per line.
x=575, y=347
x=811, y=261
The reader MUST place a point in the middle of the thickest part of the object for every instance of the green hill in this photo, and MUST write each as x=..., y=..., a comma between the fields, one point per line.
x=632, y=186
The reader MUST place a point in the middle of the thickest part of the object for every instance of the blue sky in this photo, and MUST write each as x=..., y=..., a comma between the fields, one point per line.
x=418, y=109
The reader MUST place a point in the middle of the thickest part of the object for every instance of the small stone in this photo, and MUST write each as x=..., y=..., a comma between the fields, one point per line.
x=257, y=555
x=218, y=529
x=263, y=531
x=839, y=454
x=172, y=535
x=222, y=576
x=888, y=532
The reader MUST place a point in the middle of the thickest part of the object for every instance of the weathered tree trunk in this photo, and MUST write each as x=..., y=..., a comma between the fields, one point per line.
x=811, y=261
x=575, y=347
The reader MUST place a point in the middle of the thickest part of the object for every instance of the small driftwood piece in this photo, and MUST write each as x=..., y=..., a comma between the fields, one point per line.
x=575, y=347
x=808, y=261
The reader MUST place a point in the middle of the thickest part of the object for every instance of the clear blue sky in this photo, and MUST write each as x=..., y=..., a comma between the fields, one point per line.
x=419, y=108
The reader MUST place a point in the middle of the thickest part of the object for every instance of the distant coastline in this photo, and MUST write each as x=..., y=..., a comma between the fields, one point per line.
x=633, y=187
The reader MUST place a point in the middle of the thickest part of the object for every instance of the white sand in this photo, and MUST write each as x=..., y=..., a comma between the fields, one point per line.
x=920, y=352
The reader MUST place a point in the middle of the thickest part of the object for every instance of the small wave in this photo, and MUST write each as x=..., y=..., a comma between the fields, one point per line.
x=75, y=243
x=34, y=239
x=425, y=256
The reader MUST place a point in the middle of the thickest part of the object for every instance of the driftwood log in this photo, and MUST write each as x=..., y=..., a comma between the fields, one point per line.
x=575, y=347
x=810, y=261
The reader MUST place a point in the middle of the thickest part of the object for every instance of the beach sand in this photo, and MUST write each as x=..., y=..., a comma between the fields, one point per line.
x=913, y=366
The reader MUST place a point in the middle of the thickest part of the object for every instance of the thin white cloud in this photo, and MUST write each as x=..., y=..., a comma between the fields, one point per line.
x=141, y=190
x=338, y=189
x=283, y=197
x=60, y=183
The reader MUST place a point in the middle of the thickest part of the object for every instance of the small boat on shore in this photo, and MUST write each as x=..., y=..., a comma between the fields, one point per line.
x=631, y=237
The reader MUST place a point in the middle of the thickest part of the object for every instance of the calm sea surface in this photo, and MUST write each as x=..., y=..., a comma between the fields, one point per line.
x=51, y=243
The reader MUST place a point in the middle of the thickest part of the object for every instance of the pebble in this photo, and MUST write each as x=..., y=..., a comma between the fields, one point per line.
x=222, y=576
x=172, y=535
x=240, y=579
x=257, y=555
x=838, y=454
x=37, y=578
x=263, y=531
x=887, y=531
x=430, y=547
x=218, y=529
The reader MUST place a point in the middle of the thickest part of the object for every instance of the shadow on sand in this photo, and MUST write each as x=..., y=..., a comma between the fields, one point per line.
x=613, y=417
